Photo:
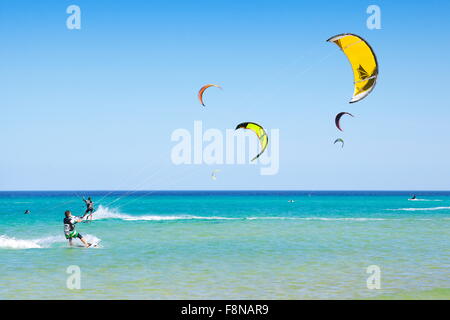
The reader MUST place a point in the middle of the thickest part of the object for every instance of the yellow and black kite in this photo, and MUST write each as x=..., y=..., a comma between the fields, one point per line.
x=363, y=60
x=259, y=131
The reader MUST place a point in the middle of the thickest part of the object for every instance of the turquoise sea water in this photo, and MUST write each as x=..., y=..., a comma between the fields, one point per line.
x=227, y=245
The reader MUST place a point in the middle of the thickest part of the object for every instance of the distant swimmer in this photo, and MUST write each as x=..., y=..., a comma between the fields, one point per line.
x=69, y=229
x=27, y=212
x=89, y=208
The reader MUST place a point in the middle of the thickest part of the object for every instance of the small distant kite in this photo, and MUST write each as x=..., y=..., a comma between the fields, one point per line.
x=259, y=131
x=202, y=90
x=213, y=174
x=338, y=119
x=363, y=61
x=339, y=140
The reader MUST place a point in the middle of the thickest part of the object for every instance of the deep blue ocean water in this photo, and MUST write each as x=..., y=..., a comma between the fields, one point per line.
x=230, y=244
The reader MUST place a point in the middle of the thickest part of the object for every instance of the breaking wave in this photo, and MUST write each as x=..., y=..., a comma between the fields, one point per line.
x=46, y=242
x=420, y=209
x=106, y=213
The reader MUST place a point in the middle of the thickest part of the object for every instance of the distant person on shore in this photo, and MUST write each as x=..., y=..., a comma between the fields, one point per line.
x=89, y=208
x=69, y=229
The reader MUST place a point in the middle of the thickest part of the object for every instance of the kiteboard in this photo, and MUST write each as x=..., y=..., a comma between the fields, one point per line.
x=92, y=245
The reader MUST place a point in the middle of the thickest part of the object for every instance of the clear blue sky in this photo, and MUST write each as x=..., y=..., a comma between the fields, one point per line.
x=94, y=108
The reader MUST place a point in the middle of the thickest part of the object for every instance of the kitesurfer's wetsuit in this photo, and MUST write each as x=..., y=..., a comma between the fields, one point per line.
x=89, y=207
x=69, y=228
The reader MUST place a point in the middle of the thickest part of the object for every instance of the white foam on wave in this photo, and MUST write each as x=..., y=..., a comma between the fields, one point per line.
x=347, y=219
x=107, y=213
x=420, y=209
x=46, y=242
x=316, y=218
x=13, y=243
x=180, y=217
x=424, y=200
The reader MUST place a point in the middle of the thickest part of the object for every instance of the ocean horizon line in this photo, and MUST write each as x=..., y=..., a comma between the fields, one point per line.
x=225, y=191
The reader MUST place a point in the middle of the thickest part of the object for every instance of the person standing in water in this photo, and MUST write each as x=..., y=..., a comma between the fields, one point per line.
x=89, y=208
x=69, y=229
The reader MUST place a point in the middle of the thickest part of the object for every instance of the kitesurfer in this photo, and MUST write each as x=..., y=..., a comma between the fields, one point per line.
x=89, y=208
x=413, y=197
x=27, y=212
x=69, y=228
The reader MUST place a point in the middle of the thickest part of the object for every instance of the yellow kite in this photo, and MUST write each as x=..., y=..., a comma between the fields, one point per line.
x=262, y=135
x=363, y=60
